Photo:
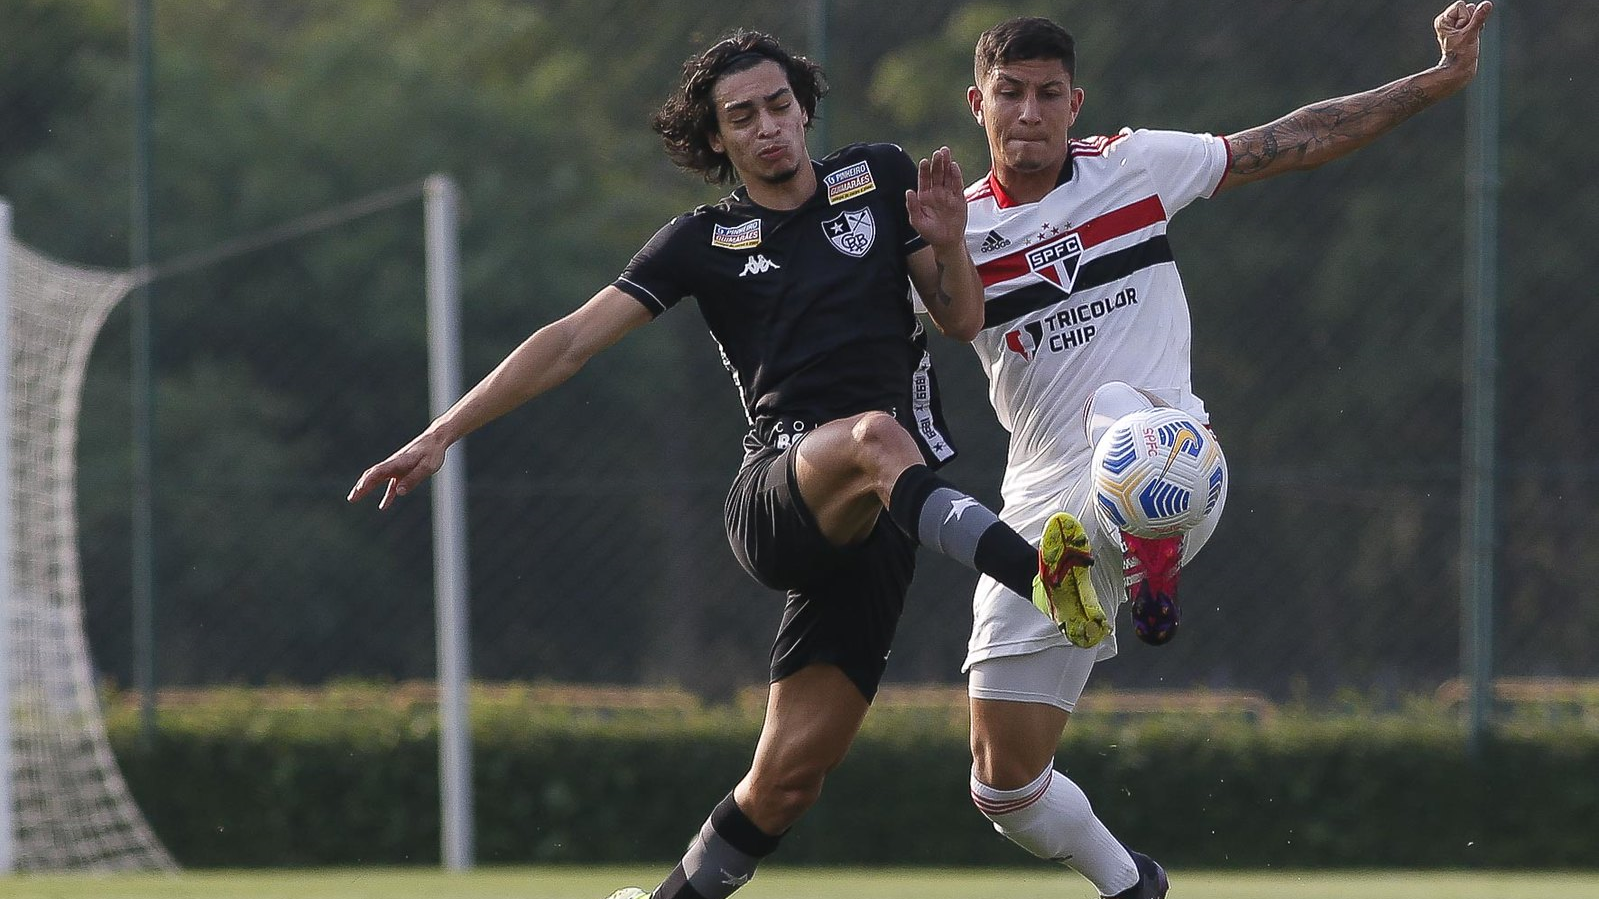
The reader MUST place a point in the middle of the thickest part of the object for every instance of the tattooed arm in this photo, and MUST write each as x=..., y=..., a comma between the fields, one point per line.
x=1322, y=132
x=942, y=272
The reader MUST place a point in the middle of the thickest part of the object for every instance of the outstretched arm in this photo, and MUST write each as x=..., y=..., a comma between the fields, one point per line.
x=1322, y=132
x=554, y=353
x=943, y=272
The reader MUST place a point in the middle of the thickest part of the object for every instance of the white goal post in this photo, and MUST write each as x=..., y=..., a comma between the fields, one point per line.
x=7, y=845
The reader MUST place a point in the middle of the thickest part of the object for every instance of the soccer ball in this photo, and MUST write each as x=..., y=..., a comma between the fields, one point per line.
x=1157, y=473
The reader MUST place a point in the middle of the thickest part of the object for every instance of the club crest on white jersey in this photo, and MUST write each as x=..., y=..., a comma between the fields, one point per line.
x=1057, y=260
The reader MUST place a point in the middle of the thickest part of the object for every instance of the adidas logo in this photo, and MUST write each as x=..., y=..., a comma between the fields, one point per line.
x=993, y=242
x=758, y=265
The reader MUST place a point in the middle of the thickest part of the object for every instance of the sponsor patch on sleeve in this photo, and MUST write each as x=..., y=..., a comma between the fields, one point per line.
x=737, y=237
x=849, y=181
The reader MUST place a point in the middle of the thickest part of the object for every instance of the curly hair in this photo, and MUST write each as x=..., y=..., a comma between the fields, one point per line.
x=1020, y=40
x=687, y=119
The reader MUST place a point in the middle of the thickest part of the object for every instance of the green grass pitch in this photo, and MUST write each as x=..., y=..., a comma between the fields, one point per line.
x=777, y=882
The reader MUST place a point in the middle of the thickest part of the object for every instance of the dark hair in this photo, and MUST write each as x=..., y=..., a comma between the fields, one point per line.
x=1021, y=39
x=687, y=119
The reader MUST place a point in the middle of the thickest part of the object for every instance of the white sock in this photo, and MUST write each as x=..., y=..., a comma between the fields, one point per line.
x=1051, y=818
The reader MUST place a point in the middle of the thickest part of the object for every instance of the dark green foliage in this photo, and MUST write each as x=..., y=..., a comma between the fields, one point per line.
x=240, y=787
x=1326, y=309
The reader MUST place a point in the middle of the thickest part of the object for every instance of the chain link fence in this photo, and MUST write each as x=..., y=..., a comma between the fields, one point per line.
x=1327, y=312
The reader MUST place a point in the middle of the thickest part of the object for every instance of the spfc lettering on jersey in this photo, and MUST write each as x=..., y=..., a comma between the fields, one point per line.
x=738, y=237
x=1057, y=260
x=849, y=182
x=852, y=231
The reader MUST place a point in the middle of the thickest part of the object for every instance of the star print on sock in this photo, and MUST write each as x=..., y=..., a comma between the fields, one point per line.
x=958, y=507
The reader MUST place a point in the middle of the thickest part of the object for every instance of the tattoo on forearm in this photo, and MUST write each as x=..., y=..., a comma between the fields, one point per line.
x=1322, y=132
x=943, y=297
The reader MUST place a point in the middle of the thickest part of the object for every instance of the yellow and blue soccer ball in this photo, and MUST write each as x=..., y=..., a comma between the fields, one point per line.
x=1157, y=473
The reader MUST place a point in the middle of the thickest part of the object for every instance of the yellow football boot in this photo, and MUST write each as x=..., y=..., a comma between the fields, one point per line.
x=1063, y=590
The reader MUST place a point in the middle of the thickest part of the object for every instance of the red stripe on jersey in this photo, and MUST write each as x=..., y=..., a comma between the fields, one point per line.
x=1094, y=146
x=1111, y=225
x=1001, y=198
x=978, y=191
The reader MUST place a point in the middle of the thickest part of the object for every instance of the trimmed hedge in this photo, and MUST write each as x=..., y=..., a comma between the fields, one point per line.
x=231, y=784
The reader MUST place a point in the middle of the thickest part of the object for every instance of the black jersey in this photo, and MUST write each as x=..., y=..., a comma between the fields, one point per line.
x=809, y=306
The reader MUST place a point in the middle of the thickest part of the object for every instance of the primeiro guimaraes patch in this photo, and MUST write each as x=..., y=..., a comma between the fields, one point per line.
x=849, y=182
x=737, y=237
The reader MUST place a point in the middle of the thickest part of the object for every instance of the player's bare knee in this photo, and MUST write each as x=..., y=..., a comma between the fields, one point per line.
x=998, y=768
x=1000, y=771
x=785, y=796
x=874, y=430
x=881, y=442
x=795, y=800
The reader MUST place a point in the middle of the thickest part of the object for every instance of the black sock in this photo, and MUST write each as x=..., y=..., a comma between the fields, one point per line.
x=721, y=858
x=940, y=517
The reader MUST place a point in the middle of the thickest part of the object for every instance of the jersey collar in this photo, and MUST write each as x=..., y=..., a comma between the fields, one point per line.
x=1005, y=201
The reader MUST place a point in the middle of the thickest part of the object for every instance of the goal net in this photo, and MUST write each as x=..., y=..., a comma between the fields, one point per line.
x=69, y=807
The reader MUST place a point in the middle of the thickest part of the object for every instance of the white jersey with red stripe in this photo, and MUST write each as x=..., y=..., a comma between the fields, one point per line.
x=1080, y=288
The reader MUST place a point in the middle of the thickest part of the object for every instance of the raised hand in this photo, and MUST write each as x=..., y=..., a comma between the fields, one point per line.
x=937, y=206
x=1459, y=30
x=402, y=472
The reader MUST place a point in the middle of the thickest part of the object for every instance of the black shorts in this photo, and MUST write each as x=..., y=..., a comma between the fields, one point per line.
x=844, y=603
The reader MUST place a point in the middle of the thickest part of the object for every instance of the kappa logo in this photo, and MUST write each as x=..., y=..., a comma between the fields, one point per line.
x=1024, y=341
x=849, y=182
x=738, y=237
x=758, y=265
x=852, y=231
x=993, y=243
x=1057, y=260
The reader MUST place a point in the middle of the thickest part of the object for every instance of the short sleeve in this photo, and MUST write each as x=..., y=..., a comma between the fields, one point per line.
x=655, y=276
x=1183, y=166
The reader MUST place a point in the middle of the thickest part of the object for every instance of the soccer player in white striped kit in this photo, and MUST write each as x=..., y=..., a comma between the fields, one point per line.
x=1086, y=321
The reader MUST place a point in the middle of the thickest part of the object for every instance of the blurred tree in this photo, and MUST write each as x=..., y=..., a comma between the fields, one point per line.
x=1325, y=308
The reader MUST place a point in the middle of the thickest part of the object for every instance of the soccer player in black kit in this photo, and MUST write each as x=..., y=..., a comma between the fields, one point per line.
x=801, y=275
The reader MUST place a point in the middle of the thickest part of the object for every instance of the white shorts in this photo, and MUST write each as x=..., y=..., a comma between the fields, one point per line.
x=1053, y=676
x=1004, y=624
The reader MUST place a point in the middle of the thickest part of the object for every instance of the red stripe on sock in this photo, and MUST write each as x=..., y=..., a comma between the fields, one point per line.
x=1006, y=806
